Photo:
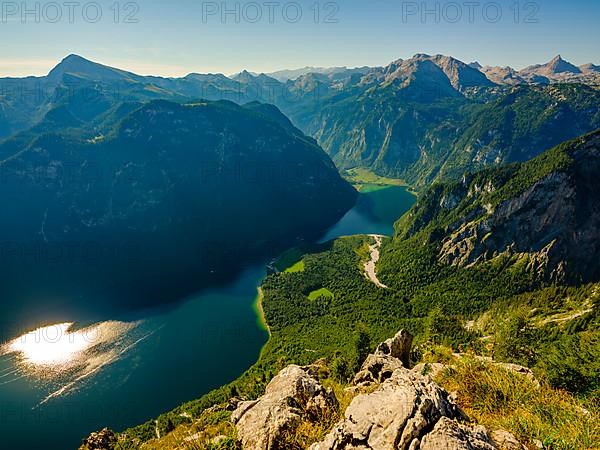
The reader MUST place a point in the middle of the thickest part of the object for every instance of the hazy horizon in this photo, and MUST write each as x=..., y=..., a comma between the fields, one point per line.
x=45, y=72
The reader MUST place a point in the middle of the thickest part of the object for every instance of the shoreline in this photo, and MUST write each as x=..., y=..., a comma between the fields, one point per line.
x=260, y=313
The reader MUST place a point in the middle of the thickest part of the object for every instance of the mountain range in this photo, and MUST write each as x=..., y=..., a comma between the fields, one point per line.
x=332, y=72
x=556, y=70
x=422, y=119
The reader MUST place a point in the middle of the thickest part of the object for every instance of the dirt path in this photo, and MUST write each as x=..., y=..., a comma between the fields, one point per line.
x=370, y=266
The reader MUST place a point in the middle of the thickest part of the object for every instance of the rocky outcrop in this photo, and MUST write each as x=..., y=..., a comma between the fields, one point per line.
x=397, y=415
x=506, y=441
x=522, y=224
x=451, y=435
x=397, y=408
x=397, y=347
x=104, y=439
x=292, y=396
x=555, y=221
x=430, y=369
x=389, y=356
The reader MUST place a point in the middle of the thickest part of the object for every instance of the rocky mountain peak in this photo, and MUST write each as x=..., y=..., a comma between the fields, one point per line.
x=502, y=75
x=559, y=65
x=445, y=72
x=590, y=68
x=81, y=67
x=556, y=69
x=460, y=74
x=71, y=64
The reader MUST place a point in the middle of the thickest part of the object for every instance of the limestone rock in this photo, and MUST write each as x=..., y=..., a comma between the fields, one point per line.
x=397, y=347
x=538, y=444
x=506, y=441
x=395, y=416
x=552, y=221
x=430, y=369
x=389, y=356
x=292, y=396
x=406, y=411
x=451, y=435
x=104, y=439
x=376, y=369
x=520, y=370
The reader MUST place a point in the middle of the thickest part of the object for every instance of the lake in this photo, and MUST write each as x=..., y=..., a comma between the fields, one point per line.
x=59, y=382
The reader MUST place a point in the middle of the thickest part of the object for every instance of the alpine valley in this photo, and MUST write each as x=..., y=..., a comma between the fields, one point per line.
x=427, y=236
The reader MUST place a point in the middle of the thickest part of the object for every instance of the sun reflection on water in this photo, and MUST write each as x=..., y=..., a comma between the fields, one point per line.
x=52, y=345
x=65, y=355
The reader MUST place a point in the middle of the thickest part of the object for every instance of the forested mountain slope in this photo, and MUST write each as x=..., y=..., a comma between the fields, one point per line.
x=172, y=197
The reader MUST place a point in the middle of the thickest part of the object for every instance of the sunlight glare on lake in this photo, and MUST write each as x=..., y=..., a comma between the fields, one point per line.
x=52, y=345
x=65, y=350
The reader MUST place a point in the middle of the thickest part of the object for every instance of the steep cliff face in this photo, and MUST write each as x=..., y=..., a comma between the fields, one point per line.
x=548, y=208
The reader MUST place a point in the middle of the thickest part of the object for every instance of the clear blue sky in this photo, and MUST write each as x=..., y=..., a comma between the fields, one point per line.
x=172, y=38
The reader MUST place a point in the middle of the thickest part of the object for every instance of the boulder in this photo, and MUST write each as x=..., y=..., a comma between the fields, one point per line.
x=520, y=370
x=450, y=435
x=404, y=409
x=506, y=441
x=389, y=356
x=292, y=396
x=397, y=347
x=397, y=415
x=376, y=369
